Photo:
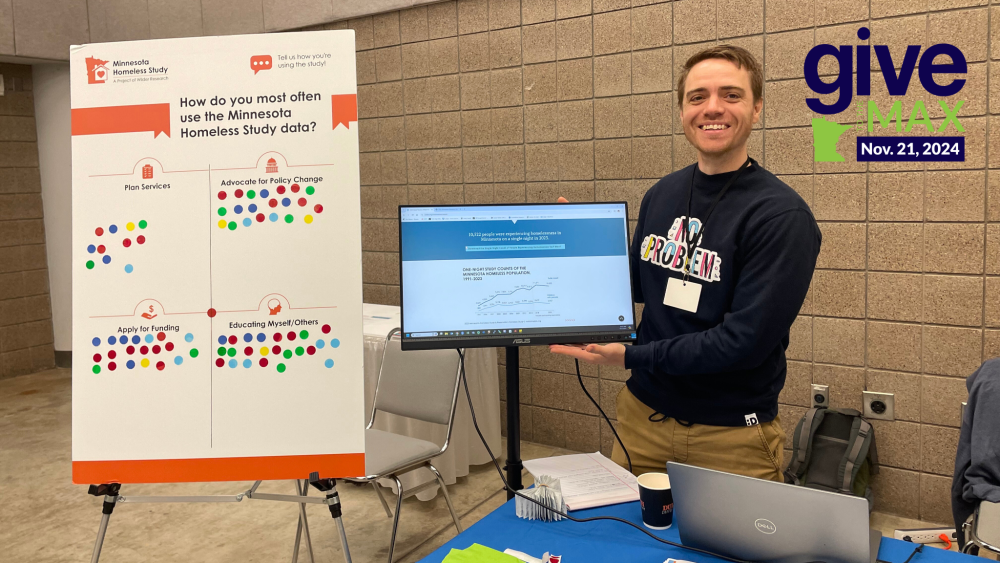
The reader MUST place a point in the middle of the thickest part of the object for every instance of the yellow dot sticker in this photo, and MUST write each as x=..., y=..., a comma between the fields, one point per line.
x=308, y=219
x=263, y=350
x=144, y=363
x=222, y=223
x=130, y=226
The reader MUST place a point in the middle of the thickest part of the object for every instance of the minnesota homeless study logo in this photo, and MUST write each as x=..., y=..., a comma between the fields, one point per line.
x=926, y=148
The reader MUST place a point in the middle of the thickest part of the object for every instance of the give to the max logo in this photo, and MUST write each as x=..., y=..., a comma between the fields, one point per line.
x=936, y=60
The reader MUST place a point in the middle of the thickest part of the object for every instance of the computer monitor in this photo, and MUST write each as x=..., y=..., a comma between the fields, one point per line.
x=511, y=275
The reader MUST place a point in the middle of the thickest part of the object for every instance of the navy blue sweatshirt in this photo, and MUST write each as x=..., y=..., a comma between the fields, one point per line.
x=724, y=363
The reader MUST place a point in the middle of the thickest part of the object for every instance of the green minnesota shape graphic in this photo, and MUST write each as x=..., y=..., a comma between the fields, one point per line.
x=825, y=137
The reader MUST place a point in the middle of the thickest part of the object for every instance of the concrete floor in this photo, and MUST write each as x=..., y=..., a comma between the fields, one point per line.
x=45, y=518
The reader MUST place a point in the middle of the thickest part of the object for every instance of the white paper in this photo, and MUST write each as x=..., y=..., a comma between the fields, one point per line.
x=588, y=480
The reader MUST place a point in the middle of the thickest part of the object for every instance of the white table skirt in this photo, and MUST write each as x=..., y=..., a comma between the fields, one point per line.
x=465, y=448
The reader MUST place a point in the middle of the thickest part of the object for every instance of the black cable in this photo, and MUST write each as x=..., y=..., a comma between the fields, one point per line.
x=916, y=550
x=584, y=387
x=506, y=485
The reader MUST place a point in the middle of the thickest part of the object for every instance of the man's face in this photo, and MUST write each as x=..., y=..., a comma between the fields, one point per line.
x=718, y=111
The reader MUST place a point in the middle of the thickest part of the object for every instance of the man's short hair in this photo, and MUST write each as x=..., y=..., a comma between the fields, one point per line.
x=736, y=55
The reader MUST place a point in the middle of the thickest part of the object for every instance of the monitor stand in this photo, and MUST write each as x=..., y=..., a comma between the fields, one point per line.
x=513, y=465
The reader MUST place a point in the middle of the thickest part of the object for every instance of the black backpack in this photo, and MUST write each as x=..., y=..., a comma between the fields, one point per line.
x=834, y=450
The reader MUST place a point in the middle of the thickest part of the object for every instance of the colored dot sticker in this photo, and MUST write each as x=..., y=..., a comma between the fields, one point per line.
x=178, y=360
x=248, y=351
x=295, y=188
x=264, y=193
x=113, y=229
x=129, y=269
x=232, y=225
x=96, y=341
x=263, y=362
x=123, y=339
x=149, y=338
x=304, y=334
x=231, y=352
x=308, y=219
x=127, y=243
x=328, y=363
x=310, y=190
x=285, y=202
x=97, y=358
x=130, y=350
x=273, y=217
x=287, y=354
x=289, y=218
x=130, y=226
x=281, y=190
x=160, y=365
x=251, y=194
x=318, y=208
x=169, y=346
x=220, y=362
x=260, y=217
x=130, y=364
x=247, y=222
x=232, y=339
x=222, y=223
x=252, y=208
x=142, y=224
x=311, y=350
x=188, y=337
x=222, y=339
x=112, y=354
x=222, y=212
x=238, y=209
x=161, y=336
x=112, y=340
x=91, y=249
x=210, y=312
x=144, y=350
x=273, y=203
x=291, y=335
x=233, y=363
x=221, y=351
x=247, y=337
x=112, y=366
x=222, y=195
x=98, y=231
x=281, y=368
x=238, y=193
x=156, y=348
x=277, y=337
x=261, y=337
x=96, y=369
x=106, y=259
x=302, y=202
x=90, y=264
x=144, y=362
x=193, y=353
x=264, y=351
x=299, y=351
x=320, y=344
x=247, y=363
x=335, y=343
x=100, y=249
x=275, y=349
x=326, y=329
x=135, y=339
x=140, y=239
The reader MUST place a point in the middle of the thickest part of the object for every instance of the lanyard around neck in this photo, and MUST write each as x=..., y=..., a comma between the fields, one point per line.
x=692, y=247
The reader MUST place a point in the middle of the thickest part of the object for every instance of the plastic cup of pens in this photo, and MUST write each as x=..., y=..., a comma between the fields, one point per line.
x=656, y=500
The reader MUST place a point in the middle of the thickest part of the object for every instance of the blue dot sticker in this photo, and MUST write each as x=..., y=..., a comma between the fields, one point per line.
x=96, y=341
x=335, y=343
x=128, y=268
x=261, y=337
x=328, y=363
x=135, y=339
x=247, y=363
x=112, y=339
x=130, y=364
x=106, y=259
x=286, y=202
x=188, y=337
x=113, y=229
x=273, y=217
x=123, y=339
x=252, y=208
x=238, y=209
x=248, y=337
x=91, y=248
x=320, y=344
x=149, y=338
x=264, y=193
x=232, y=363
x=222, y=339
x=178, y=360
x=247, y=222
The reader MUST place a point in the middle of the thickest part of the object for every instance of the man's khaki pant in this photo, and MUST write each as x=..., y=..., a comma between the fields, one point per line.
x=754, y=451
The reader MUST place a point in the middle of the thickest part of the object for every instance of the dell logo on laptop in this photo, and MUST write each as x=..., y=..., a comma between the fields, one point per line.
x=765, y=526
x=522, y=341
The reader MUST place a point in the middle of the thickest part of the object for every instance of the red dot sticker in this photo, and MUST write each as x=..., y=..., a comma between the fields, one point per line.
x=169, y=346
x=281, y=189
x=101, y=249
x=318, y=208
x=275, y=349
x=130, y=350
x=160, y=365
x=291, y=335
x=156, y=348
x=277, y=337
x=127, y=243
x=211, y=313
x=302, y=202
x=97, y=358
x=232, y=339
x=263, y=362
x=144, y=350
x=222, y=195
x=220, y=362
x=140, y=239
x=260, y=217
x=311, y=350
x=238, y=193
x=161, y=336
x=111, y=354
x=98, y=231
x=326, y=329
x=112, y=366
x=248, y=350
x=273, y=203
x=295, y=188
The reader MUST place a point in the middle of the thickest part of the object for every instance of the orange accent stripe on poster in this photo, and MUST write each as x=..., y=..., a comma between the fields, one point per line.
x=345, y=109
x=122, y=119
x=217, y=469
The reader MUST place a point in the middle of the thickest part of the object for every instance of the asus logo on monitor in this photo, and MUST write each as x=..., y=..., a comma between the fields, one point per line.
x=522, y=341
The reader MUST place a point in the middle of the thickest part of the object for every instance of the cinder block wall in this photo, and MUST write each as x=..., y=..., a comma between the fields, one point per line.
x=512, y=101
x=25, y=312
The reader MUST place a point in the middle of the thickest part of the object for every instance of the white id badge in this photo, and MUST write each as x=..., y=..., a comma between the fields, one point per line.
x=682, y=295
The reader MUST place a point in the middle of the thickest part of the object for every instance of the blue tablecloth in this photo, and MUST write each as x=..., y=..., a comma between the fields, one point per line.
x=594, y=542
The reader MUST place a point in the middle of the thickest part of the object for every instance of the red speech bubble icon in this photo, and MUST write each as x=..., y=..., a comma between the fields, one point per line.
x=260, y=62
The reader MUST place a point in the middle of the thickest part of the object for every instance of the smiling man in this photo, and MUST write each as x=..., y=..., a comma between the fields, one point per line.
x=709, y=361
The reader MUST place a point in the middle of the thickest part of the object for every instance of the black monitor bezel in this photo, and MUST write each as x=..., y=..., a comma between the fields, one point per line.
x=493, y=341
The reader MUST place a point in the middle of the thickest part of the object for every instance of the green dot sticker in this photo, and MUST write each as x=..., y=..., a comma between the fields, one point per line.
x=304, y=334
x=194, y=352
x=289, y=218
x=97, y=369
x=287, y=354
x=281, y=368
x=251, y=194
x=310, y=190
x=90, y=264
x=299, y=351
x=222, y=350
x=222, y=212
x=142, y=224
x=232, y=352
x=232, y=225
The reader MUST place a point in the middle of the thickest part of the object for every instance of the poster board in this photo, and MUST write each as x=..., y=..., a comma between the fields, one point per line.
x=216, y=259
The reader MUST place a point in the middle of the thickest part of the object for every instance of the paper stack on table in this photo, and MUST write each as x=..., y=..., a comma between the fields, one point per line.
x=476, y=553
x=587, y=480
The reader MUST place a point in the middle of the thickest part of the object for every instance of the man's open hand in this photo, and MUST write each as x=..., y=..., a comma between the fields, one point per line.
x=601, y=354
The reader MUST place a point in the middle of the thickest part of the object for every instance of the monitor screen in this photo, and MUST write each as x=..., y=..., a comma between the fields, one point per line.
x=511, y=275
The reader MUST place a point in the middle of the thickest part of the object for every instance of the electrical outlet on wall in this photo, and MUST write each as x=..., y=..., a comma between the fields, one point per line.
x=880, y=406
x=820, y=395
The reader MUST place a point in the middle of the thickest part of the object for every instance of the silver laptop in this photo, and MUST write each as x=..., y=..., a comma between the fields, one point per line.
x=759, y=520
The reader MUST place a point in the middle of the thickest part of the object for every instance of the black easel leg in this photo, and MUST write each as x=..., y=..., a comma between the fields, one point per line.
x=513, y=421
x=110, y=493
